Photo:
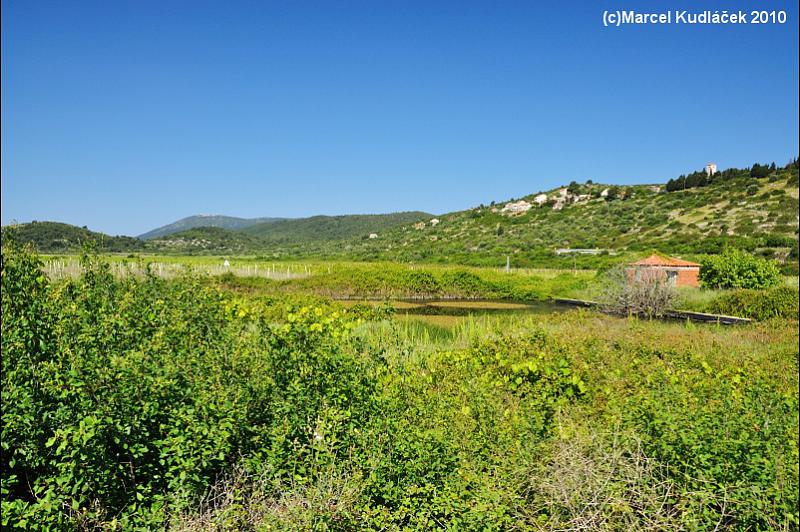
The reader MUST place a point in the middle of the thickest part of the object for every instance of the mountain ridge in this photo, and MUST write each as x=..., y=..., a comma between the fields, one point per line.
x=205, y=220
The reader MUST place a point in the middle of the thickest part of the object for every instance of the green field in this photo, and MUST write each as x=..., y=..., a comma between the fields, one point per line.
x=199, y=398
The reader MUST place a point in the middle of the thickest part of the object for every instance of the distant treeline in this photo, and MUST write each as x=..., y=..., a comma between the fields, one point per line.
x=701, y=178
x=55, y=237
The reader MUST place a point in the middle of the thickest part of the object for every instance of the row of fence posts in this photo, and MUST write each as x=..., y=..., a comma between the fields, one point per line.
x=60, y=269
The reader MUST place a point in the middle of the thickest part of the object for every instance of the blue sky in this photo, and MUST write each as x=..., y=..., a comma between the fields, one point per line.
x=124, y=116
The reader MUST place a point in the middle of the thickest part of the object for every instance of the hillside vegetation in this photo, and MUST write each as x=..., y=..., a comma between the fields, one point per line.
x=753, y=209
x=201, y=240
x=55, y=237
x=331, y=228
x=733, y=209
x=736, y=209
x=204, y=220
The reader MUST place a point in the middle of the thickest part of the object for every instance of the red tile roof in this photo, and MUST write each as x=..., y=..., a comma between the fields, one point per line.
x=658, y=260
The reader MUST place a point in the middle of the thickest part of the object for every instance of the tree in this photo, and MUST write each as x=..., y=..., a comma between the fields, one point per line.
x=759, y=171
x=573, y=188
x=738, y=269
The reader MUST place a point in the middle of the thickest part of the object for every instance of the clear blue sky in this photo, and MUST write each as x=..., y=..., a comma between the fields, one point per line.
x=124, y=116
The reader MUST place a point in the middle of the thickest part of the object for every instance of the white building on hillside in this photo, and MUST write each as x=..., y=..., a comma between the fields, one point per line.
x=541, y=199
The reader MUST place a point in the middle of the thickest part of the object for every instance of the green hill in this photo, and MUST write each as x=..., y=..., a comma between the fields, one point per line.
x=696, y=216
x=757, y=214
x=201, y=240
x=56, y=237
x=331, y=228
x=205, y=220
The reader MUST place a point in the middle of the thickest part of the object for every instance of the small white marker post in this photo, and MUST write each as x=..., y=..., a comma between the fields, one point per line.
x=508, y=264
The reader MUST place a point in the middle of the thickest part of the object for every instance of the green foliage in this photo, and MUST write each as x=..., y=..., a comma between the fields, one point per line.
x=327, y=228
x=230, y=223
x=54, y=237
x=738, y=269
x=760, y=171
x=780, y=302
x=205, y=240
x=684, y=222
x=739, y=475
x=123, y=399
x=387, y=280
x=144, y=403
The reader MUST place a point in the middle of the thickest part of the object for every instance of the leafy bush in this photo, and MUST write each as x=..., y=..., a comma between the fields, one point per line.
x=738, y=269
x=123, y=399
x=781, y=302
x=716, y=477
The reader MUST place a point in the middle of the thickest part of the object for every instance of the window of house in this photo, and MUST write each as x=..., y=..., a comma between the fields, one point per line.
x=672, y=277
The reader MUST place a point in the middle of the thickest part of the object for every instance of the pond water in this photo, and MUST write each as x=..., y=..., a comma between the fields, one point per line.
x=448, y=313
x=472, y=307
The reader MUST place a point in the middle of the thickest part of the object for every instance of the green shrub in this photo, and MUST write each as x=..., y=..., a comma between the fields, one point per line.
x=741, y=479
x=778, y=302
x=124, y=399
x=738, y=269
x=779, y=241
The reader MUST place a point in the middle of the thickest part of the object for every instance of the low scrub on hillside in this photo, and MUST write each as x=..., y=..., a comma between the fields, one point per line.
x=734, y=209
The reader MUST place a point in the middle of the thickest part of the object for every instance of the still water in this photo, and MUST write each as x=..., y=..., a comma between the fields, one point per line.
x=451, y=312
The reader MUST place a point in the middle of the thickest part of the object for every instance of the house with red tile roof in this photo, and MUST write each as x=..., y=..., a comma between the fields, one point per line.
x=676, y=271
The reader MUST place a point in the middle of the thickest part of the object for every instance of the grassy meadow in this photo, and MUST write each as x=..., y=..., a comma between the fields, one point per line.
x=208, y=399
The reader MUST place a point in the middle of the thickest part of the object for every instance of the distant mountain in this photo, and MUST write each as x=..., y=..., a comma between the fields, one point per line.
x=326, y=228
x=56, y=237
x=206, y=220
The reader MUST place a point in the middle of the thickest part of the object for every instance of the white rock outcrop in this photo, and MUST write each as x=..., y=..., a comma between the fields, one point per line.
x=517, y=207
